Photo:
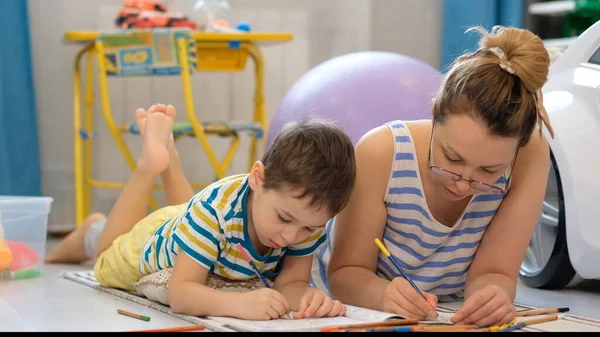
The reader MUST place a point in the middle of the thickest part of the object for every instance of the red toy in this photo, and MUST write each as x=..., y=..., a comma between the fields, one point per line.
x=150, y=14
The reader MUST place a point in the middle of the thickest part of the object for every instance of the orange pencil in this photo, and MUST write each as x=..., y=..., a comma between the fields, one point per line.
x=395, y=322
x=540, y=312
x=173, y=329
x=416, y=328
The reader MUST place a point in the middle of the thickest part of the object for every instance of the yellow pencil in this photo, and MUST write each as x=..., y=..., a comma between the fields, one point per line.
x=401, y=270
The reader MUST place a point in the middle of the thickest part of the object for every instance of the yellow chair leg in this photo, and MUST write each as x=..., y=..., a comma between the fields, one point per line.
x=77, y=146
x=260, y=115
x=191, y=111
x=233, y=148
x=88, y=155
x=105, y=102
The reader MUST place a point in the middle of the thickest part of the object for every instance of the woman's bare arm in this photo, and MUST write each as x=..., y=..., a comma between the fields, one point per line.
x=503, y=246
x=353, y=263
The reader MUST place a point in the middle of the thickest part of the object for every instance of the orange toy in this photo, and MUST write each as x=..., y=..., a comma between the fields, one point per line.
x=150, y=14
x=5, y=257
x=22, y=257
x=5, y=253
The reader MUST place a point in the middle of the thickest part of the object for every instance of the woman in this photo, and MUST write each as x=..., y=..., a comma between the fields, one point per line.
x=454, y=199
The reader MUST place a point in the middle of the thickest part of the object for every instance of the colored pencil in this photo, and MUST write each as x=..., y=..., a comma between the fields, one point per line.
x=131, y=314
x=530, y=322
x=262, y=278
x=370, y=325
x=494, y=328
x=249, y=260
x=421, y=328
x=400, y=269
x=541, y=312
x=173, y=329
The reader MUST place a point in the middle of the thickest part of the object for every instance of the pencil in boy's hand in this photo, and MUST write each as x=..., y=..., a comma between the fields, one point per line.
x=249, y=260
x=401, y=270
x=541, y=312
x=262, y=278
x=131, y=314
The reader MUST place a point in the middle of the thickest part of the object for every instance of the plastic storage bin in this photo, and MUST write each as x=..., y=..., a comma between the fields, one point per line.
x=23, y=221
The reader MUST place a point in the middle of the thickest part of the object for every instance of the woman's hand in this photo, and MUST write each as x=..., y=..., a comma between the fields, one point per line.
x=489, y=306
x=402, y=299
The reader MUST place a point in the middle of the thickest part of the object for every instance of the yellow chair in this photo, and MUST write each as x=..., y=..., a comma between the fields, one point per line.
x=176, y=52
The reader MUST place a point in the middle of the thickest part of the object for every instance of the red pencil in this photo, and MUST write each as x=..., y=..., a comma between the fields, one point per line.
x=173, y=329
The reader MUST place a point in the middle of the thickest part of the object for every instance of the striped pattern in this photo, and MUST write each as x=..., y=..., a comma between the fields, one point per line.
x=436, y=257
x=215, y=221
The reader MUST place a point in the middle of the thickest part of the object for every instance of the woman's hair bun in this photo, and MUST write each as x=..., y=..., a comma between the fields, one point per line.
x=520, y=52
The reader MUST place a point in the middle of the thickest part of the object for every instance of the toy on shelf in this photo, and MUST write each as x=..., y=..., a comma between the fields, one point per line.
x=213, y=15
x=150, y=14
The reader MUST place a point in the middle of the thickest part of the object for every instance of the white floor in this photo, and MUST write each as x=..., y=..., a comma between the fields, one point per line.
x=51, y=303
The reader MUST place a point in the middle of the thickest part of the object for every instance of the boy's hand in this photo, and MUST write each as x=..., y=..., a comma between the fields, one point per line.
x=262, y=304
x=315, y=303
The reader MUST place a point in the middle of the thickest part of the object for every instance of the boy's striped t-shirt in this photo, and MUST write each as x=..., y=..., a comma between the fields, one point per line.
x=214, y=222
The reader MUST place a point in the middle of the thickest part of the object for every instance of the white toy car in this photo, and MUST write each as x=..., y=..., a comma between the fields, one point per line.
x=565, y=247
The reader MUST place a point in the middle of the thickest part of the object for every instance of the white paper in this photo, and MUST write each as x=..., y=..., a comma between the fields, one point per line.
x=304, y=324
x=354, y=315
x=368, y=315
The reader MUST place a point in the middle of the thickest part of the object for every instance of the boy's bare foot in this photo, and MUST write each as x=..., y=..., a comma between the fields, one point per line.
x=156, y=126
x=70, y=249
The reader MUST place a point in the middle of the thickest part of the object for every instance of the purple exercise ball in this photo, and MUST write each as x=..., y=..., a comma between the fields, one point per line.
x=360, y=91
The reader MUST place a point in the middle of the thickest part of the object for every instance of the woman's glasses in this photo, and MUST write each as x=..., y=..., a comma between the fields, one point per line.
x=475, y=184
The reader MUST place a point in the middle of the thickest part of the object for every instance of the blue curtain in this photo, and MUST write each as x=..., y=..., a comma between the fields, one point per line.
x=459, y=15
x=19, y=149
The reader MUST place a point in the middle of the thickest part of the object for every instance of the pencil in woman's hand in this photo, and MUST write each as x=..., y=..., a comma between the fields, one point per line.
x=401, y=270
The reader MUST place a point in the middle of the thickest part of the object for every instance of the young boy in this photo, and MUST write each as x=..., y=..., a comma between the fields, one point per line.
x=278, y=210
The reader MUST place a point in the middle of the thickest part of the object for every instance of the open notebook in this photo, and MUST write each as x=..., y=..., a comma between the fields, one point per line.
x=353, y=315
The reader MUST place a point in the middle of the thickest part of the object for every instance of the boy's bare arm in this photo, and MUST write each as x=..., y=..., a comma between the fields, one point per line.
x=189, y=295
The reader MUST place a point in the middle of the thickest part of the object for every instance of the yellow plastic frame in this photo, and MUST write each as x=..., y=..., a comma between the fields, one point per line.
x=83, y=149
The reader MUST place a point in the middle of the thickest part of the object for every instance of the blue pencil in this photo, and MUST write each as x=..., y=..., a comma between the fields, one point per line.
x=513, y=327
x=249, y=260
x=397, y=265
x=528, y=322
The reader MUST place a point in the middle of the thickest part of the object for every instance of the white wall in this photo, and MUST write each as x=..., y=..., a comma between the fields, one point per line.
x=322, y=29
x=409, y=27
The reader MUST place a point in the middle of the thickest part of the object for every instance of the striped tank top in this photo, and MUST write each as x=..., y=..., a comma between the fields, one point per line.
x=436, y=257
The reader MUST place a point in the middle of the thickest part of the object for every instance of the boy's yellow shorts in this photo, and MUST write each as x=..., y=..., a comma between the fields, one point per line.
x=119, y=265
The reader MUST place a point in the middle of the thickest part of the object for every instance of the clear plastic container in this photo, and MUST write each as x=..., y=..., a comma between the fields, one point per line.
x=207, y=12
x=23, y=233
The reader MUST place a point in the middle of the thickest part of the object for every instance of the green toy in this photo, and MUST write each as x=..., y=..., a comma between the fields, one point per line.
x=585, y=14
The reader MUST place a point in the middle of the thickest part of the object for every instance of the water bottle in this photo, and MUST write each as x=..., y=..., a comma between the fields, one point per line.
x=210, y=11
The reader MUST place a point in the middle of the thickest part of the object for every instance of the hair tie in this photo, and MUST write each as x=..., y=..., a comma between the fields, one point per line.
x=506, y=66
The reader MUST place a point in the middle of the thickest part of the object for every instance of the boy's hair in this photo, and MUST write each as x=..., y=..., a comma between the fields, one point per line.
x=316, y=156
